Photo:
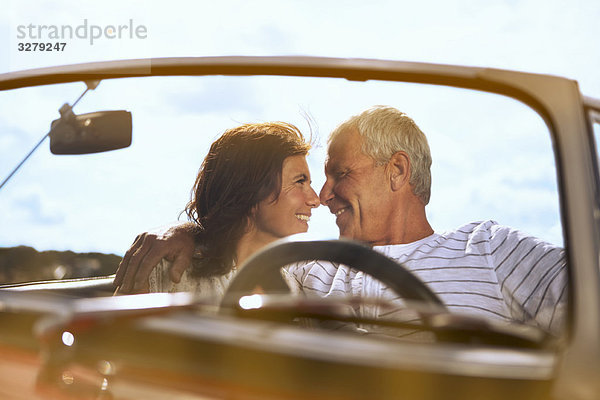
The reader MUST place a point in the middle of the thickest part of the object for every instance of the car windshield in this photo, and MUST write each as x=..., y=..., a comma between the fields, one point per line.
x=67, y=216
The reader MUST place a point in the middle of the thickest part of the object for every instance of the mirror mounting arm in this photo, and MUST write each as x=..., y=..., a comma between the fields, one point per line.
x=66, y=115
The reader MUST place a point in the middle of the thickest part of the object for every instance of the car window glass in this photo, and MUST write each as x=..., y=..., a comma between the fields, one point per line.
x=492, y=155
x=596, y=128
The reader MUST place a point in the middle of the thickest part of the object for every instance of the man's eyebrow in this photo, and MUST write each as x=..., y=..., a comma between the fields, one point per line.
x=329, y=165
x=334, y=167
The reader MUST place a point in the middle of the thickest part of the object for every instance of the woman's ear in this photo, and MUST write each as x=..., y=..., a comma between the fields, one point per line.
x=399, y=170
x=251, y=219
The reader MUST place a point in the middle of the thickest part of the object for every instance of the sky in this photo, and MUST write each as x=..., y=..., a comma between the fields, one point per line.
x=532, y=35
x=550, y=37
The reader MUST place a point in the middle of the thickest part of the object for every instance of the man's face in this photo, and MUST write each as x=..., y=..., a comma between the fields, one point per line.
x=357, y=191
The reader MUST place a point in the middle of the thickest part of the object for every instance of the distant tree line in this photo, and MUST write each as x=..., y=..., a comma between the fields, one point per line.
x=26, y=264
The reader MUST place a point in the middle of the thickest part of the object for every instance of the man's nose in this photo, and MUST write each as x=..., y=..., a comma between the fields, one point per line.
x=326, y=192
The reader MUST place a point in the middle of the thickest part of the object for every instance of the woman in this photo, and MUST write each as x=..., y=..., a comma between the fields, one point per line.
x=252, y=189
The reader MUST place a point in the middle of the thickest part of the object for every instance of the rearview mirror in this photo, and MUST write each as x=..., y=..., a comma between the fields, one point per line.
x=91, y=133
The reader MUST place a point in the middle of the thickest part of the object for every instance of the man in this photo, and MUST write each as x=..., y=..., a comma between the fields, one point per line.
x=378, y=184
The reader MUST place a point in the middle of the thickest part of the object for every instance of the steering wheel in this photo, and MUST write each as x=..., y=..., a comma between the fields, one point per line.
x=263, y=268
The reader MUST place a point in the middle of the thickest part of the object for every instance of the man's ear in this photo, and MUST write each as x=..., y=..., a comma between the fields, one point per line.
x=399, y=170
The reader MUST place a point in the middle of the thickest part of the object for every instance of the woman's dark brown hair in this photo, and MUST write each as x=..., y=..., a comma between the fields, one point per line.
x=242, y=168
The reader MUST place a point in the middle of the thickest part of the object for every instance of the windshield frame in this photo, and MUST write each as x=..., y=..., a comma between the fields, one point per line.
x=557, y=100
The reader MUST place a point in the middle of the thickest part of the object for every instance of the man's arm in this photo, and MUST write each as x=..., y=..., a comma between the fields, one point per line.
x=532, y=275
x=175, y=243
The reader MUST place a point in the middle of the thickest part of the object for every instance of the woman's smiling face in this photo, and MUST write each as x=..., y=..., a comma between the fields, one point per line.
x=290, y=212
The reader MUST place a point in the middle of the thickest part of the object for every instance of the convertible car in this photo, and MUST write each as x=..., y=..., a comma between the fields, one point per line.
x=126, y=139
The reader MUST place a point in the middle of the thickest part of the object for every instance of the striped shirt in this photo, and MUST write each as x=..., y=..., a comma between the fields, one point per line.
x=481, y=268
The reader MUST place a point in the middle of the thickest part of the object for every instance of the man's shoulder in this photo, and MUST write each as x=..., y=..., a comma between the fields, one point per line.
x=473, y=228
x=472, y=233
x=468, y=239
x=495, y=236
x=479, y=231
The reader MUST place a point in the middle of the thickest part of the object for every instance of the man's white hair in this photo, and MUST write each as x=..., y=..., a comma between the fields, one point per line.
x=385, y=131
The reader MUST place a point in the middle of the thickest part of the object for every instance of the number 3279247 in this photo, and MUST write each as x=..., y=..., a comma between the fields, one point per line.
x=35, y=46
